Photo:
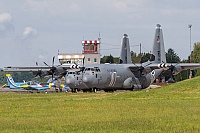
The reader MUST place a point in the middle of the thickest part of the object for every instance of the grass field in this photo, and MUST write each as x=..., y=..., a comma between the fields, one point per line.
x=173, y=108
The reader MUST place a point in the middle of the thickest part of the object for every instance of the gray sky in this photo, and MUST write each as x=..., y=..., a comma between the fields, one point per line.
x=34, y=30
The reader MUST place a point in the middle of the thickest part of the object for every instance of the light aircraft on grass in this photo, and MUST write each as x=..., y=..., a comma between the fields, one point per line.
x=33, y=85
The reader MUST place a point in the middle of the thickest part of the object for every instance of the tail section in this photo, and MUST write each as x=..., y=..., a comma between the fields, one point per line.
x=158, y=52
x=11, y=82
x=125, y=57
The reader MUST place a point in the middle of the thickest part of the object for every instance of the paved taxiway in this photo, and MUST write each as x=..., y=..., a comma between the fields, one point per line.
x=6, y=90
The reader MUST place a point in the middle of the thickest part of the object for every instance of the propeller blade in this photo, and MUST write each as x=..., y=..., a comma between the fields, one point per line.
x=53, y=61
x=83, y=61
x=36, y=75
x=46, y=64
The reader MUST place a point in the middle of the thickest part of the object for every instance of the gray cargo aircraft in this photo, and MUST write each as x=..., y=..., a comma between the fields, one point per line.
x=130, y=76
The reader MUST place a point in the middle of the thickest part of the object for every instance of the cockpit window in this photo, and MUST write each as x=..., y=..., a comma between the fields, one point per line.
x=71, y=72
x=95, y=69
x=32, y=83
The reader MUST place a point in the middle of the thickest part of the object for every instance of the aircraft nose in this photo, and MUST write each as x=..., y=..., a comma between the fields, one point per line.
x=87, y=79
x=70, y=81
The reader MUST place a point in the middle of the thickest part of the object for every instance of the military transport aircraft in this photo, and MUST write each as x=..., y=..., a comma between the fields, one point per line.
x=131, y=76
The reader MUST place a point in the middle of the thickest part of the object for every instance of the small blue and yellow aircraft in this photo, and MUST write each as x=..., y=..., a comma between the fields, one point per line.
x=32, y=85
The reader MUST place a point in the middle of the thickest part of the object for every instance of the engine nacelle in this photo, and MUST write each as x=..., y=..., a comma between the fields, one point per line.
x=128, y=83
x=176, y=70
x=163, y=65
x=74, y=66
x=146, y=71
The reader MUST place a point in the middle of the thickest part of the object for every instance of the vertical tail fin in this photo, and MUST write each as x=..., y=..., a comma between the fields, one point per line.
x=158, y=52
x=10, y=81
x=125, y=56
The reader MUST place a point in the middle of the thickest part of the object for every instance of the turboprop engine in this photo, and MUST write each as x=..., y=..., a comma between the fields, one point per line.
x=175, y=69
x=128, y=83
x=132, y=84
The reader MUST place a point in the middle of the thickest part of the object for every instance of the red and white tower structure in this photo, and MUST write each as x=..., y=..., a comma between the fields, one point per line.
x=91, y=51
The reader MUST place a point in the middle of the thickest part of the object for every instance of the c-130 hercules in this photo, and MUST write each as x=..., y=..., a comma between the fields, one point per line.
x=116, y=76
x=126, y=75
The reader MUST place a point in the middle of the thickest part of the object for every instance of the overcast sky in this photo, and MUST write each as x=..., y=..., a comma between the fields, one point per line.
x=34, y=30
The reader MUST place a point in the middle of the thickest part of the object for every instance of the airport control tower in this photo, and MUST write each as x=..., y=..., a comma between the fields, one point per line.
x=91, y=53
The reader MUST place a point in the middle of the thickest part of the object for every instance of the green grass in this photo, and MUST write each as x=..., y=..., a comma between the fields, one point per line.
x=172, y=108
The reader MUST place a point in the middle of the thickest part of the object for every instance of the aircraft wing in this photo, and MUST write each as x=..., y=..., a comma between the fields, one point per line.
x=148, y=65
x=34, y=87
x=36, y=68
x=39, y=88
x=183, y=66
x=25, y=69
x=152, y=66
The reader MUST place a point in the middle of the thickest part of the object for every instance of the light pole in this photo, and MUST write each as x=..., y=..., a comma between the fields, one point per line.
x=190, y=27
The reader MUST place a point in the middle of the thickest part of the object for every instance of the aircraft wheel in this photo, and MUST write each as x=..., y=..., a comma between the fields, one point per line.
x=84, y=90
x=75, y=90
x=106, y=90
x=94, y=90
x=91, y=89
x=112, y=90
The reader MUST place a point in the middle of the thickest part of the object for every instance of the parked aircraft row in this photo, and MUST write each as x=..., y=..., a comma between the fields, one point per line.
x=126, y=75
x=32, y=85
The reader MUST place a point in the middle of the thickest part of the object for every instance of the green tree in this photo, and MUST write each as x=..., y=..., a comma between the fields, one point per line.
x=172, y=57
x=103, y=60
x=196, y=57
x=140, y=58
x=145, y=57
x=110, y=59
x=17, y=76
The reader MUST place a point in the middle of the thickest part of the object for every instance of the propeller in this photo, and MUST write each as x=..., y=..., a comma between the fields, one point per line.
x=141, y=68
x=52, y=68
x=83, y=68
x=172, y=71
x=39, y=72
